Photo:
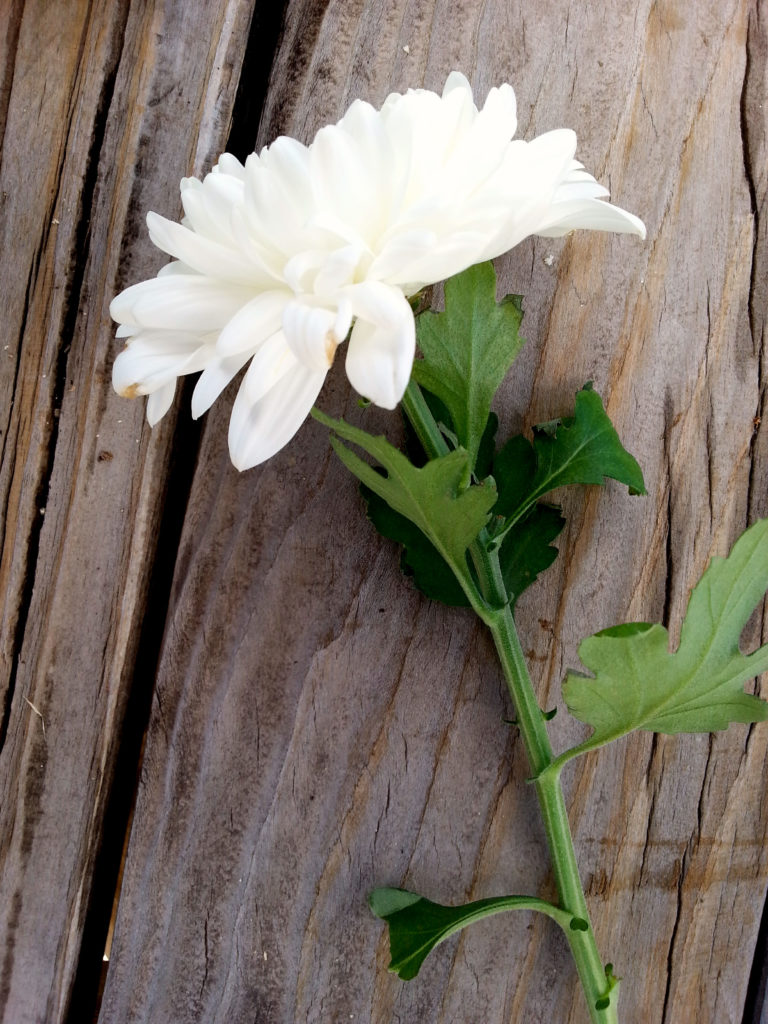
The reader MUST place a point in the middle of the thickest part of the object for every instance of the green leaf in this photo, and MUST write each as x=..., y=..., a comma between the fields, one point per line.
x=468, y=349
x=417, y=925
x=436, y=498
x=527, y=550
x=639, y=684
x=524, y=555
x=420, y=559
x=487, y=448
x=583, y=449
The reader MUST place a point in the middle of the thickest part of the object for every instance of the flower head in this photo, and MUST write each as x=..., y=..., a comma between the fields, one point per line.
x=278, y=261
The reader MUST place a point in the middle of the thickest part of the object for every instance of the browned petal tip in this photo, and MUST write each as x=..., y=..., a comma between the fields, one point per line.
x=330, y=347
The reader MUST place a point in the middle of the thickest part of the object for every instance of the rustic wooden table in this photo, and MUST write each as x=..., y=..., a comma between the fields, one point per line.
x=222, y=681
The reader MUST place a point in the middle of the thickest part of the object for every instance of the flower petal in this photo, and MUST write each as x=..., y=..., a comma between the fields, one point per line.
x=204, y=255
x=382, y=344
x=258, y=429
x=151, y=359
x=184, y=302
x=310, y=334
x=251, y=325
x=594, y=214
x=160, y=401
x=212, y=381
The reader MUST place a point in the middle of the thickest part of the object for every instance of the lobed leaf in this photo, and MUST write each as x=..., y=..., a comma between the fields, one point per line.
x=420, y=559
x=436, y=498
x=582, y=449
x=526, y=552
x=638, y=684
x=468, y=350
x=527, y=549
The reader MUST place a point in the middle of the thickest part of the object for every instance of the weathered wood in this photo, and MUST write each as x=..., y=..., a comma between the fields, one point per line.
x=94, y=95
x=316, y=728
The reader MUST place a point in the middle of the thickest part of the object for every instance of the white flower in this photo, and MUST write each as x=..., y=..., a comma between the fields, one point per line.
x=276, y=260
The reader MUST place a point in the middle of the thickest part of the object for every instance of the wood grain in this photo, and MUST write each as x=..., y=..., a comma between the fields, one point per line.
x=93, y=95
x=316, y=728
x=319, y=730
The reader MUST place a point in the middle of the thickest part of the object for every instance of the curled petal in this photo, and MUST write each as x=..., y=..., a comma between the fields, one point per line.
x=592, y=214
x=310, y=334
x=382, y=344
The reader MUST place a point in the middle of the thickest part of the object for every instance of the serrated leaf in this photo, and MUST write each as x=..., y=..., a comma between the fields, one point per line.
x=527, y=549
x=436, y=498
x=639, y=684
x=524, y=555
x=582, y=449
x=420, y=559
x=468, y=350
x=417, y=925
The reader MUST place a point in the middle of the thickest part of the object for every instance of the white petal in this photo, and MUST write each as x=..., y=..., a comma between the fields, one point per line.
x=341, y=181
x=160, y=401
x=149, y=363
x=310, y=334
x=229, y=164
x=208, y=206
x=204, y=255
x=184, y=302
x=446, y=257
x=257, y=430
x=382, y=344
x=456, y=80
x=175, y=267
x=213, y=380
x=268, y=366
x=590, y=213
x=257, y=320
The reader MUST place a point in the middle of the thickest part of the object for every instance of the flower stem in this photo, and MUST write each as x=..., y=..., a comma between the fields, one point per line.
x=600, y=989
x=532, y=726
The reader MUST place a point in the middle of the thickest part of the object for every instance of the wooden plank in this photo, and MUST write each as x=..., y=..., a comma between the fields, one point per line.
x=93, y=95
x=318, y=729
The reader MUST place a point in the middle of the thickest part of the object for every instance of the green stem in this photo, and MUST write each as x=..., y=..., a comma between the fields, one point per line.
x=497, y=615
x=423, y=422
x=549, y=791
x=434, y=444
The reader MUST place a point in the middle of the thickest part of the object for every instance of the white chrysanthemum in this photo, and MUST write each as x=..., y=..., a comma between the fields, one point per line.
x=276, y=260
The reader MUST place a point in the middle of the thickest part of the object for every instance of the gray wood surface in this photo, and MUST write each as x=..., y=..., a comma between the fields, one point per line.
x=316, y=728
x=93, y=99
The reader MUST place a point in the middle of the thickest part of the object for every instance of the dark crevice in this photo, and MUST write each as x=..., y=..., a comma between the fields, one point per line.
x=12, y=28
x=746, y=143
x=668, y=579
x=758, y=979
x=751, y=111
x=263, y=41
x=25, y=597
x=673, y=939
x=74, y=279
x=90, y=979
